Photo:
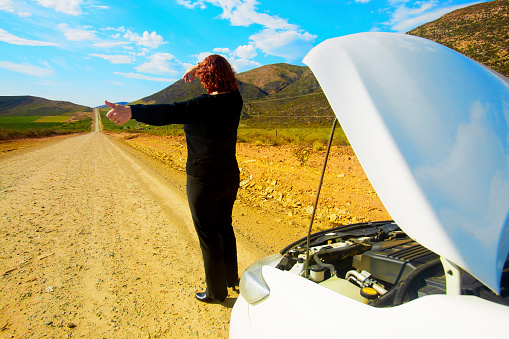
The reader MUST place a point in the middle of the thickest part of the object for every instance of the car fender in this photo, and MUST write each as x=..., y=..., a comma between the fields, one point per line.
x=300, y=308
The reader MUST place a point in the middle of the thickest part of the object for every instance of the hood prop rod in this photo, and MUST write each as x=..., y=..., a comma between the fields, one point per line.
x=308, y=241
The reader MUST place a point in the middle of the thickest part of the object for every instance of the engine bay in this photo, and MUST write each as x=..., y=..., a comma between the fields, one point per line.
x=378, y=264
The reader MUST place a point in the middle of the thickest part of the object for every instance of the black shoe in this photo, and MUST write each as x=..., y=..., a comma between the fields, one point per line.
x=235, y=286
x=203, y=297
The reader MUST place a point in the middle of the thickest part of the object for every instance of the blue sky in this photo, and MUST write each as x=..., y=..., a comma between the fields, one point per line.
x=85, y=51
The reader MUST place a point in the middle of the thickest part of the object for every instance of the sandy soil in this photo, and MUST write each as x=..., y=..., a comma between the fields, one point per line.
x=96, y=239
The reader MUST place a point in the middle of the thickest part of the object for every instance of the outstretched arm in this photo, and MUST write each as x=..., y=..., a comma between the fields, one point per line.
x=119, y=114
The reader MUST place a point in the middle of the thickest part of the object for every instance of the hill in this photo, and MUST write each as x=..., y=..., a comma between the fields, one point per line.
x=35, y=106
x=283, y=94
x=480, y=32
x=279, y=94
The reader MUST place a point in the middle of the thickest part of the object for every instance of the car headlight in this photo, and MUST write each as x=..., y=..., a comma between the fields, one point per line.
x=252, y=285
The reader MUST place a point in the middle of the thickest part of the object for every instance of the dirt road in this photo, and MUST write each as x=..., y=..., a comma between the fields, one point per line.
x=96, y=239
x=95, y=244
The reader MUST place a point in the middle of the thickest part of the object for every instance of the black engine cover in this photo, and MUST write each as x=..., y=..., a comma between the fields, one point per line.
x=392, y=261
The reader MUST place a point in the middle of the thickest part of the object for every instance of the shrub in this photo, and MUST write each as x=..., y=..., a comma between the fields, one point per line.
x=318, y=146
x=302, y=154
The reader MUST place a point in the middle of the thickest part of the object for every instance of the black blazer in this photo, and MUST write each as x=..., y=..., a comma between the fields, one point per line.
x=210, y=123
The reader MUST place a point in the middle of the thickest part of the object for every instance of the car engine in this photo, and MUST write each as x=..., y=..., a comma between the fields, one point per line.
x=378, y=264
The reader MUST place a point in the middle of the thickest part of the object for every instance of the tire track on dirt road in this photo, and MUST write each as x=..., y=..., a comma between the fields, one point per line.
x=97, y=120
x=96, y=244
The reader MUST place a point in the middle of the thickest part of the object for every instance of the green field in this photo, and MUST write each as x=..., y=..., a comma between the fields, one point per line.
x=54, y=118
x=310, y=136
x=316, y=137
x=13, y=127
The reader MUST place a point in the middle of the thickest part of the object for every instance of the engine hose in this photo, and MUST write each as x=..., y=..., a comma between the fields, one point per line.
x=334, y=250
x=410, y=278
x=331, y=267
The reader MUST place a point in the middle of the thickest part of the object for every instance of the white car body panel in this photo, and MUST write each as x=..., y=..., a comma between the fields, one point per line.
x=307, y=310
x=431, y=130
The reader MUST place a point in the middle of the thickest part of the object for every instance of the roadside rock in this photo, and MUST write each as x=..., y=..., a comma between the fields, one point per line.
x=273, y=178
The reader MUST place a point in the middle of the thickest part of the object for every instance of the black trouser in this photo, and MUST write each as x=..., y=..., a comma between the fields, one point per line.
x=211, y=200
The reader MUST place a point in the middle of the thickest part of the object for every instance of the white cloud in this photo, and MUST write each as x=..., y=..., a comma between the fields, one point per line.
x=8, y=6
x=15, y=40
x=192, y=5
x=289, y=44
x=26, y=69
x=115, y=59
x=225, y=50
x=200, y=56
x=143, y=52
x=245, y=52
x=144, y=77
x=362, y=1
x=160, y=63
x=151, y=40
x=405, y=18
x=245, y=13
x=238, y=64
x=241, y=65
x=110, y=44
x=76, y=34
x=118, y=29
x=395, y=2
x=277, y=36
x=71, y=7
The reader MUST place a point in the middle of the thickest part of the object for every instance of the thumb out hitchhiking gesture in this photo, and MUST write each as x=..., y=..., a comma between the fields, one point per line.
x=119, y=114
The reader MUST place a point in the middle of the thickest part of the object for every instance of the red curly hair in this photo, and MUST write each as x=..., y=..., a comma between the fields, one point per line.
x=216, y=74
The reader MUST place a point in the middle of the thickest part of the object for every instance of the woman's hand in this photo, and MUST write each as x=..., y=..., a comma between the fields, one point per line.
x=190, y=74
x=119, y=114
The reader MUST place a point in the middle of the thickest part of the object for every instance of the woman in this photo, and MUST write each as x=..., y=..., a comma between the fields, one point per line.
x=210, y=123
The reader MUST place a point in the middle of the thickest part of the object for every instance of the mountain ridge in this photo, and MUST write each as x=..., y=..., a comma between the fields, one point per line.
x=276, y=93
x=480, y=32
x=27, y=105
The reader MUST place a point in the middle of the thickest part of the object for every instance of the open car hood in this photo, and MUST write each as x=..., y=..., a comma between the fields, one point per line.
x=431, y=130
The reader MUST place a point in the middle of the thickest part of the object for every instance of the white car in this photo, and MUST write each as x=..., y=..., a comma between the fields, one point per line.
x=431, y=130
